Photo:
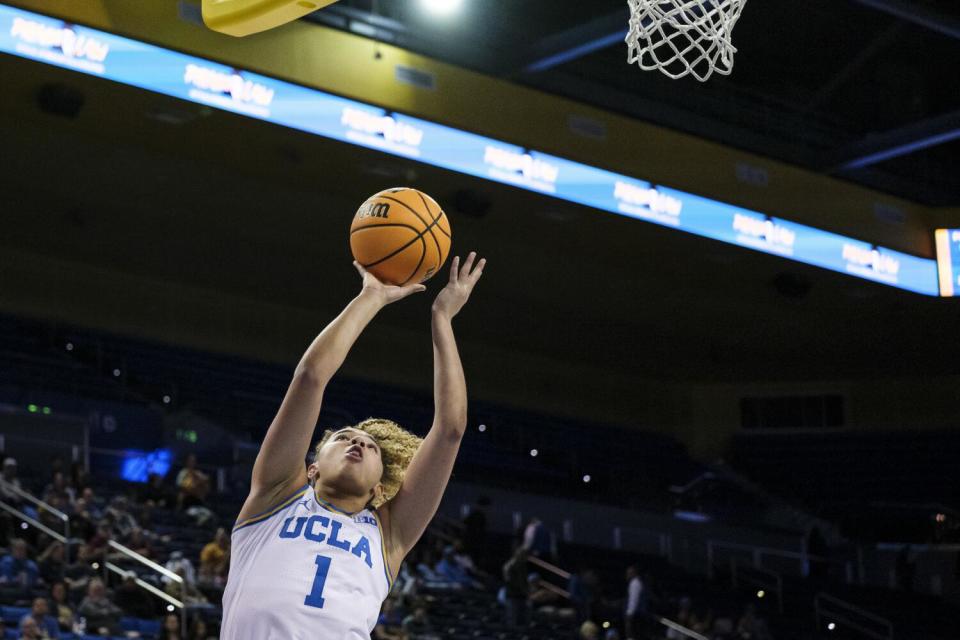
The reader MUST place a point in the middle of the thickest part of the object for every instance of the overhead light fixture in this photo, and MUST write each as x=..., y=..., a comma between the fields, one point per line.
x=441, y=7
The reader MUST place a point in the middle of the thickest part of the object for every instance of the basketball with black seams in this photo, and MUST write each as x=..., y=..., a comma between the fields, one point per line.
x=401, y=236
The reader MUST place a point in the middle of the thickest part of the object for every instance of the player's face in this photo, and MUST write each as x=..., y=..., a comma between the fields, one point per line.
x=350, y=460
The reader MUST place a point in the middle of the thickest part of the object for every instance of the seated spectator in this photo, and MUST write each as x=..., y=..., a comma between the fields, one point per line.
x=683, y=617
x=47, y=626
x=515, y=591
x=123, y=522
x=133, y=599
x=389, y=622
x=11, y=483
x=186, y=591
x=81, y=522
x=50, y=518
x=155, y=493
x=16, y=569
x=198, y=630
x=450, y=571
x=51, y=562
x=171, y=628
x=102, y=616
x=417, y=625
x=193, y=485
x=177, y=561
x=59, y=488
x=215, y=560
x=138, y=542
x=29, y=630
x=92, y=502
x=78, y=574
x=99, y=543
x=3, y=628
x=60, y=608
x=407, y=584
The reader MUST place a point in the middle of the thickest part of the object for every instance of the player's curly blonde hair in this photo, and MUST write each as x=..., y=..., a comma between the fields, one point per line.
x=397, y=446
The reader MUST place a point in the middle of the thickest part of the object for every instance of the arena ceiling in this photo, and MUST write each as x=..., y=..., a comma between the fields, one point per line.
x=144, y=184
x=823, y=84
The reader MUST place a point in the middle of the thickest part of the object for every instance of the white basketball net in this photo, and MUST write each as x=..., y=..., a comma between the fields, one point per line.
x=683, y=37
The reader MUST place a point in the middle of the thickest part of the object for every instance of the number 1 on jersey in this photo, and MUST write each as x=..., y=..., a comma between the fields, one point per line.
x=315, y=597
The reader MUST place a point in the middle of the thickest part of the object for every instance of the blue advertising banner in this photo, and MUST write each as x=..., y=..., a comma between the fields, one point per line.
x=55, y=42
x=948, y=260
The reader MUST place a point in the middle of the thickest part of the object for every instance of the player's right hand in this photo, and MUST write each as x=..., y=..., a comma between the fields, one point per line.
x=384, y=293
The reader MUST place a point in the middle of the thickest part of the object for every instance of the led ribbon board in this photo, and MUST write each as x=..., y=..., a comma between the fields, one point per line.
x=948, y=261
x=55, y=42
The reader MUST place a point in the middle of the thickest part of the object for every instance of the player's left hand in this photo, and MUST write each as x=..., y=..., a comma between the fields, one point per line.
x=462, y=280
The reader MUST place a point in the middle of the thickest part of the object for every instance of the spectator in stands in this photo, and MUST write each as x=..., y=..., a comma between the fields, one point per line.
x=187, y=590
x=430, y=577
x=198, y=630
x=29, y=629
x=3, y=626
x=215, y=559
x=123, y=522
x=79, y=573
x=98, y=544
x=193, y=485
x=155, y=493
x=81, y=522
x=407, y=584
x=102, y=616
x=463, y=558
x=636, y=609
x=92, y=502
x=60, y=608
x=16, y=569
x=389, y=623
x=52, y=562
x=171, y=628
x=177, y=562
x=10, y=482
x=133, y=599
x=582, y=587
x=537, y=540
x=47, y=625
x=137, y=541
x=417, y=625
x=450, y=571
x=58, y=487
x=515, y=580
x=50, y=518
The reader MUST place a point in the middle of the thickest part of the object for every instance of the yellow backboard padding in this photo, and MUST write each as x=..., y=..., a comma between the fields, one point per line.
x=243, y=17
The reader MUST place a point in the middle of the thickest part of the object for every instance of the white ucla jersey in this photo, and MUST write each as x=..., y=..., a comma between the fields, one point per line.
x=305, y=570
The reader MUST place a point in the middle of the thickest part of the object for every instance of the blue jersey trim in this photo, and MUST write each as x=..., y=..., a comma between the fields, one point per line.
x=260, y=517
x=329, y=507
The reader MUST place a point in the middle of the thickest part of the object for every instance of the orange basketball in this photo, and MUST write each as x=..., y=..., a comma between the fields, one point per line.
x=401, y=236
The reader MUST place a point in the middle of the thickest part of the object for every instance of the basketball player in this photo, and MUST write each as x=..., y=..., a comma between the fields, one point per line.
x=316, y=549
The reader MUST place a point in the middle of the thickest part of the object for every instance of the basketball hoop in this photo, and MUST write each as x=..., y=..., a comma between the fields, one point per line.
x=683, y=37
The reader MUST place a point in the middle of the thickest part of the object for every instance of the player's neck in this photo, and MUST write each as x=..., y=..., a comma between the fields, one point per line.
x=340, y=500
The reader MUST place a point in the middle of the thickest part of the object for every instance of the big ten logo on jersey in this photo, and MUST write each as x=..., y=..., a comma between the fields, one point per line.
x=375, y=210
x=321, y=529
x=365, y=520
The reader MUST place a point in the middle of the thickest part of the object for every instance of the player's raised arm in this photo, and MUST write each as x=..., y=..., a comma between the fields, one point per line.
x=426, y=478
x=279, y=468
